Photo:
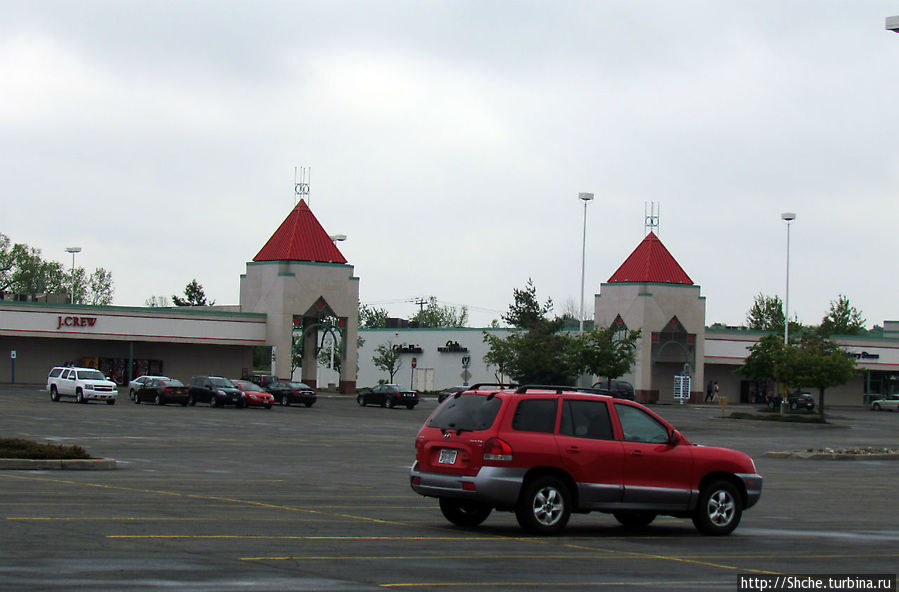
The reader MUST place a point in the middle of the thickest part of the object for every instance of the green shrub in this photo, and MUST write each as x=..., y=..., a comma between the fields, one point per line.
x=18, y=448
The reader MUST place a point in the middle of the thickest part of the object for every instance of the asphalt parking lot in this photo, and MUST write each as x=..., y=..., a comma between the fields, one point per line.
x=318, y=499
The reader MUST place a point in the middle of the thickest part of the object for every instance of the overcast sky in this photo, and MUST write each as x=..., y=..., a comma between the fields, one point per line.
x=449, y=142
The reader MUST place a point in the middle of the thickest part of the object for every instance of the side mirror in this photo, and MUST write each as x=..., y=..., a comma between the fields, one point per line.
x=675, y=438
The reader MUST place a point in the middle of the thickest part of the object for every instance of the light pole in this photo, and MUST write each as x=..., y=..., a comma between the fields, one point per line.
x=73, y=250
x=787, y=217
x=587, y=198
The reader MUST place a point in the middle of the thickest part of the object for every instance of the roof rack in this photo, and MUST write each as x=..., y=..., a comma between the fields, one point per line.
x=545, y=387
x=480, y=385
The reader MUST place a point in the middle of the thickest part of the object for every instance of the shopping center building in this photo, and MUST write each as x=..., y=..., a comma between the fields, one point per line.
x=299, y=287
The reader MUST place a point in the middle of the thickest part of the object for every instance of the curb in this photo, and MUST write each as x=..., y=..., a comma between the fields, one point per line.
x=74, y=464
x=834, y=456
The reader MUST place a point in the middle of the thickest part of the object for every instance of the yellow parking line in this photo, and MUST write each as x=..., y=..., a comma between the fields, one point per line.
x=694, y=561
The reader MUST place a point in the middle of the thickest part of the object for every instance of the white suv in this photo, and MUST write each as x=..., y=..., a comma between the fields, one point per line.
x=83, y=384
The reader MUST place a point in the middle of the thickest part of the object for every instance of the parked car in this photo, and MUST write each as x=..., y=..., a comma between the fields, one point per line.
x=138, y=383
x=287, y=392
x=161, y=391
x=450, y=391
x=253, y=395
x=262, y=380
x=547, y=452
x=620, y=389
x=82, y=384
x=387, y=395
x=801, y=401
x=215, y=390
x=889, y=403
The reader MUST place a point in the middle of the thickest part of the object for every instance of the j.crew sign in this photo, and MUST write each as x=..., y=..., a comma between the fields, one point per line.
x=75, y=322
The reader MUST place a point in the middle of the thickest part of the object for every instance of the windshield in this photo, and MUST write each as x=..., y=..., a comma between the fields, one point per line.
x=222, y=382
x=90, y=375
x=248, y=386
x=466, y=412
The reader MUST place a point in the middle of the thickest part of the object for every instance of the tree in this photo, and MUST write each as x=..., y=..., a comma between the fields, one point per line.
x=157, y=301
x=601, y=352
x=371, y=317
x=194, y=296
x=766, y=314
x=99, y=287
x=815, y=362
x=436, y=316
x=843, y=319
x=526, y=312
x=538, y=354
x=387, y=358
x=761, y=363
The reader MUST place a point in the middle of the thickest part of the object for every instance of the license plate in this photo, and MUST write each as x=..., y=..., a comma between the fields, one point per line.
x=447, y=456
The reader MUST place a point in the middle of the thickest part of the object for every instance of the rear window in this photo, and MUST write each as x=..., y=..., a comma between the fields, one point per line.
x=467, y=412
x=55, y=372
x=220, y=382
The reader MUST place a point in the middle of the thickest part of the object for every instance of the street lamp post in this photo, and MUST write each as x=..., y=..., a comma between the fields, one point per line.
x=586, y=198
x=787, y=217
x=73, y=250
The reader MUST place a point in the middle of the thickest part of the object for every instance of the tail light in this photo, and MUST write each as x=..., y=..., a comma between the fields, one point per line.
x=497, y=449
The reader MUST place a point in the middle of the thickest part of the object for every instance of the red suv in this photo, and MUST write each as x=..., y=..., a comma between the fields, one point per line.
x=545, y=452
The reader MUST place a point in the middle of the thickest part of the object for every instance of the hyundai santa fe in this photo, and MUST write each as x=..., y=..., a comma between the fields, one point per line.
x=545, y=452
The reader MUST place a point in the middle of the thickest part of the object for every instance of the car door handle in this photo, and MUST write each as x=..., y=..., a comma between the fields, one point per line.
x=574, y=449
x=637, y=453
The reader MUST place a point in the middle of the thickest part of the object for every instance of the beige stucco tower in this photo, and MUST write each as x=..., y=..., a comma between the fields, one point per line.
x=302, y=282
x=651, y=292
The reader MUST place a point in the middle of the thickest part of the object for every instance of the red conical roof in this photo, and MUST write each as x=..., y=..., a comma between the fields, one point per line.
x=650, y=262
x=300, y=238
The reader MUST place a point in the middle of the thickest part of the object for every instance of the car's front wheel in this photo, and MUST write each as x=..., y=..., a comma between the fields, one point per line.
x=719, y=510
x=464, y=513
x=79, y=396
x=634, y=519
x=110, y=401
x=875, y=407
x=157, y=400
x=544, y=506
x=360, y=400
x=285, y=402
x=212, y=401
x=388, y=402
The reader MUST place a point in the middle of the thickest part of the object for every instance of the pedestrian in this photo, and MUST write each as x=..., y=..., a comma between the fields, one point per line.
x=715, y=391
x=708, y=391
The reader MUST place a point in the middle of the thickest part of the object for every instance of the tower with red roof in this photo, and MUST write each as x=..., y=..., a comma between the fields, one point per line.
x=302, y=282
x=652, y=292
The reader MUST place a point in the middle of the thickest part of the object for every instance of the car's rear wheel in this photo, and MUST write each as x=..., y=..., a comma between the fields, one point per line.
x=54, y=394
x=544, y=506
x=285, y=402
x=268, y=405
x=464, y=513
x=308, y=404
x=875, y=407
x=719, y=510
x=410, y=405
x=191, y=401
x=388, y=402
x=131, y=394
x=157, y=400
x=634, y=519
x=212, y=401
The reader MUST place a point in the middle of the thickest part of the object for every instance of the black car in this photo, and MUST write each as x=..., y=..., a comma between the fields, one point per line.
x=162, y=391
x=801, y=401
x=620, y=389
x=387, y=395
x=449, y=392
x=215, y=390
x=287, y=392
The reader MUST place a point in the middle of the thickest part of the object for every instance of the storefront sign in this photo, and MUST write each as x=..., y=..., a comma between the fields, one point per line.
x=75, y=322
x=863, y=355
